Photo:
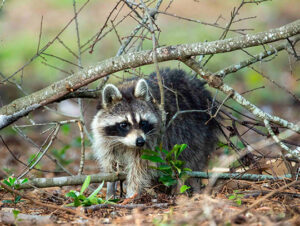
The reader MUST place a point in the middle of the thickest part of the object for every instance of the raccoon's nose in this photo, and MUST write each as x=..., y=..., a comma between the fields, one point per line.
x=140, y=142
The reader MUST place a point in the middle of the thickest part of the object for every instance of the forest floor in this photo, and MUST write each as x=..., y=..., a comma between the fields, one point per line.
x=231, y=202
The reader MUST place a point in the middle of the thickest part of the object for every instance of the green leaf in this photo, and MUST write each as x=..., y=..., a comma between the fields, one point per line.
x=187, y=169
x=179, y=163
x=231, y=197
x=150, y=152
x=184, y=188
x=17, y=199
x=7, y=201
x=85, y=184
x=7, y=183
x=77, y=202
x=12, y=180
x=152, y=158
x=95, y=193
x=167, y=180
x=178, y=169
x=164, y=167
x=102, y=201
x=25, y=180
x=221, y=144
x=164, y=151
x=81, y=197
x=181, y=149
x=170, y=153
x=239, y=202
x=71, y=194
x=16, y=213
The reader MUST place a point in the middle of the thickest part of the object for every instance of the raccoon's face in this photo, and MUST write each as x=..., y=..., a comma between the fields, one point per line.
x=127, y=116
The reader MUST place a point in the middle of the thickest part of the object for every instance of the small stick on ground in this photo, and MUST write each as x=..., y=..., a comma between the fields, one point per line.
x=130, y=206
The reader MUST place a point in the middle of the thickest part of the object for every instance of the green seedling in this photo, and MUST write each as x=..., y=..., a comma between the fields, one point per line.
x=79, y=199
x=172, y=170
x=236, y=197
x=13, y=183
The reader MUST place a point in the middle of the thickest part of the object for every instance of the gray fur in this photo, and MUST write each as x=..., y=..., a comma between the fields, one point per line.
x=141, y=90
x=118, y=153
x=110, y=93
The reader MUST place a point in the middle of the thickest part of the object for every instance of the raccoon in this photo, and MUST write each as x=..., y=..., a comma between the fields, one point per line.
x=129, y=121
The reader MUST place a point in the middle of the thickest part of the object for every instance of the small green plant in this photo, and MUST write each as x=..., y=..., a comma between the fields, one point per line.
x=172, y=170
x=236, y=197
x=16, y=214
x=13, y=183
x=79, y=199
x=60, y=155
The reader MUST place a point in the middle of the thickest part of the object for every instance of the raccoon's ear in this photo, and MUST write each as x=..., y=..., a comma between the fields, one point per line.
x=110, y=94
x=142, y=90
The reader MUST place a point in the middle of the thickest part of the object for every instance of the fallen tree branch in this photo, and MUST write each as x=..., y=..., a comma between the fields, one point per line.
x=22, y=106
x=97, y=178
x=71, y=180
x=237, y=176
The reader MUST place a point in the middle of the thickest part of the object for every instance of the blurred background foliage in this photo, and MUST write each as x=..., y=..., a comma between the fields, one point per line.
x=20, y=27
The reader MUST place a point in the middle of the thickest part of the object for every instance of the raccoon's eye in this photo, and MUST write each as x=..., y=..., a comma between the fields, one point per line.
x=124, y=125
x=143, y=123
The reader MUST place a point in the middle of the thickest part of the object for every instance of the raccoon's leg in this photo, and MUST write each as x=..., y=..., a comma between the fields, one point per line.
x=131, y=188
x=195, y=183
x=138, y=177
x=111, y=190
x=109, y=165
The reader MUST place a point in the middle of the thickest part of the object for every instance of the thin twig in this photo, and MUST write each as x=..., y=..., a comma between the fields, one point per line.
x=62, y=59
x=56, y=68
x=40, y=35
x=42, y=153
x=82, y=155
x=127, y=206
x=277, y=84
x=102, y=28
x=45, y=47
x=159, y=78
x=295, y=152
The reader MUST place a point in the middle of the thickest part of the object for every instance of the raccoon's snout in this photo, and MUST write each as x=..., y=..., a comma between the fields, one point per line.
x=140, y=141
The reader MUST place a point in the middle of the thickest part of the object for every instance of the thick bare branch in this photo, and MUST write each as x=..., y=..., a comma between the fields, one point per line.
x=57, y=90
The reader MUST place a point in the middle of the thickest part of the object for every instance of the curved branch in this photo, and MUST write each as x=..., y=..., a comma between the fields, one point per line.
x=22, y=106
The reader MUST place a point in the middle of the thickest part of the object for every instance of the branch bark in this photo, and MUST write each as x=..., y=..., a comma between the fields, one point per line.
x=71, y=180
x=111, y=177
x=22, y=106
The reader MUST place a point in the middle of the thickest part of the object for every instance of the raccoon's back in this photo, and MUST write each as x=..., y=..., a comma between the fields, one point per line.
x=182, y=92
x=185, y=93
